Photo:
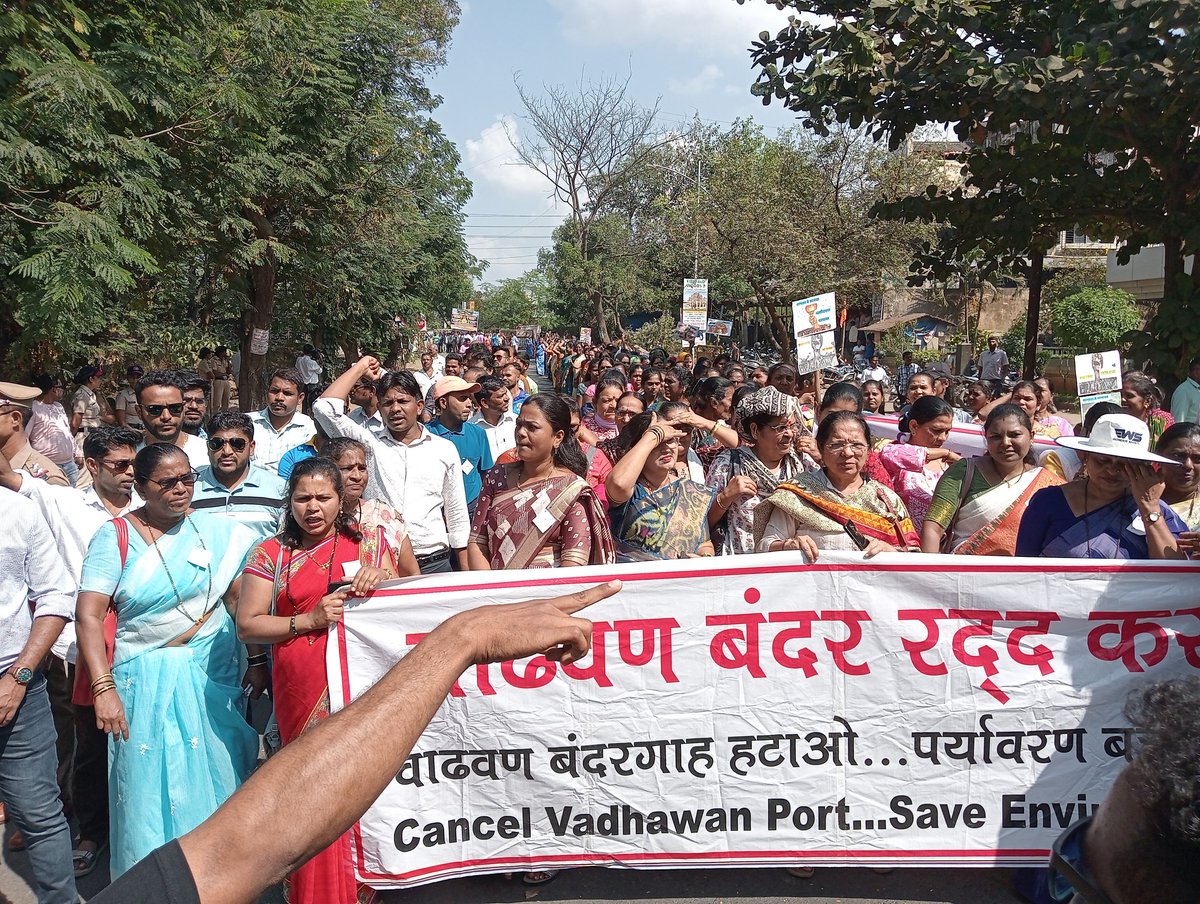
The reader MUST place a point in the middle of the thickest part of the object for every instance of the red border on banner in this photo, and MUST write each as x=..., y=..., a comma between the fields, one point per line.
x=592, y=576
x=990, y=855
x=598, y=575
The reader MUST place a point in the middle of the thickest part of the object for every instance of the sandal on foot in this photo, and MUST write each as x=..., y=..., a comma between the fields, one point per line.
x=801, y=872
x=84, y=861
x=16, y=841
x=540, y=877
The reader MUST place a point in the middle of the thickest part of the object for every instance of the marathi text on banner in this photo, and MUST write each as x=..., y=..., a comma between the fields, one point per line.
x=907, y=711
x=695, y=304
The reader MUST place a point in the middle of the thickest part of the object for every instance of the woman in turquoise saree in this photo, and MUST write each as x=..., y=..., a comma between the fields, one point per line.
x=180, y=745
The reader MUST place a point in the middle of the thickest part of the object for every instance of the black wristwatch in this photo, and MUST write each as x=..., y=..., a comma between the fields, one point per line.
x=21, y=675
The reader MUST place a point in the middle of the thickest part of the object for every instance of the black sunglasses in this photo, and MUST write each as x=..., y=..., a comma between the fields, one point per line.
x=1070, y=882
x=236, y=443
x=188, y=480
x=175, y=408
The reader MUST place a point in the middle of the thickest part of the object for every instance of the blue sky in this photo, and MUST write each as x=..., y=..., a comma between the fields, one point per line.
x=690, y=55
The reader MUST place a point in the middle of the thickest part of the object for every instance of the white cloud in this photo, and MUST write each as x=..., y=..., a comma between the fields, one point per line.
x=702, y=82
x=711, y=25
x=491, y=158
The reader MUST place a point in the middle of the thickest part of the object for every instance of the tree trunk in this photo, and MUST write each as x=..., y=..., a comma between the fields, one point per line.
x=1033, y=313
x=258, y=315
x=597, y=300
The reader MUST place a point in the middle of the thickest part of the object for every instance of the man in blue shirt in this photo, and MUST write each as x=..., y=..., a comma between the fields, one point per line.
x=453, y=400
x=231, y=485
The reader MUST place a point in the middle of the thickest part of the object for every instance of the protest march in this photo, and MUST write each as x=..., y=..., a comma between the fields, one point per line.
x=434, y=467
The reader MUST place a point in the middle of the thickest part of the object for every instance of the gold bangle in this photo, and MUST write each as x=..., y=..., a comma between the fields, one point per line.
x=107, y=676
x=292, y=627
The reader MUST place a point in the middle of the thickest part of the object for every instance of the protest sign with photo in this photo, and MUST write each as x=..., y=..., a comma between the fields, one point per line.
x=720, y=328
x=907, y=711
x=585, y=334
x=814, y=315
x=695, y=304
x=464, y=320
x=1098, y=373
x=815, y=352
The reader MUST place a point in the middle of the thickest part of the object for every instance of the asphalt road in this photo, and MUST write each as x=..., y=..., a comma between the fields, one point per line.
x=598, y=886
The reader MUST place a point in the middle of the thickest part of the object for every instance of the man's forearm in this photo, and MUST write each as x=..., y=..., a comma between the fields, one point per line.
x=373, y=738
x=42, y=635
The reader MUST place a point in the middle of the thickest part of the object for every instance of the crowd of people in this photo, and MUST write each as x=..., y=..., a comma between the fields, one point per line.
x=169, y=558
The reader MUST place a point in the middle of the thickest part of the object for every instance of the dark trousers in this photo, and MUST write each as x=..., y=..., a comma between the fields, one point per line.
x=89, y=781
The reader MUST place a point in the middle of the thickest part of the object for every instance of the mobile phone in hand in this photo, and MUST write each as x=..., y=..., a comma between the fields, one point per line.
x=856, y=535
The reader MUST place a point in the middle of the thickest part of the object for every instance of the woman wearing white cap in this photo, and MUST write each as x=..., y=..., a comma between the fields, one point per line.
x=1116, y=511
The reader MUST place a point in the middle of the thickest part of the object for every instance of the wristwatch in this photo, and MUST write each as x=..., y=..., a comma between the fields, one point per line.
x=21, y=675
x=1152, y=517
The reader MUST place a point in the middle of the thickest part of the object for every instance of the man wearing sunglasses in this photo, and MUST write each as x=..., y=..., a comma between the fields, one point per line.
x=1142, y=846
x=230, y=484
x=160, y=406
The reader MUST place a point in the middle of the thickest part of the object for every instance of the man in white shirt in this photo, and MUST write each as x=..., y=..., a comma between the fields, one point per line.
x=280, y=427
x=160, y=406
x=494, y=415
x=1185, y=401
x=367, y=413
x=309, y=366
x=74, y=517
x=413, y=471
x=37, y=598
x=425, y=376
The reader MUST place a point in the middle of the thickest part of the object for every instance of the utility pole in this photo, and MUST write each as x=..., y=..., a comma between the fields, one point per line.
x=696, y=263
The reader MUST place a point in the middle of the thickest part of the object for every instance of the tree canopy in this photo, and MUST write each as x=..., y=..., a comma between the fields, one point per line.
x=1075, y=113
x=171, y=173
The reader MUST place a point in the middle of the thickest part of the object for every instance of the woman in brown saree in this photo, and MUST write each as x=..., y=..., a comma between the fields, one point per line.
x=539, y=512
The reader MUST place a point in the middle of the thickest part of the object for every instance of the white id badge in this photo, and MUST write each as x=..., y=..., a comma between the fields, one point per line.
x=467, y=467
x=200, y=557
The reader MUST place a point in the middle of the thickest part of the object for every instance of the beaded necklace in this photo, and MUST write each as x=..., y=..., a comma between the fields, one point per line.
x=175, y=590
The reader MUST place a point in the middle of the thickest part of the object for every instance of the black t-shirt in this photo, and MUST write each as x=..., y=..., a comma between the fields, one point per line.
x=161, y=878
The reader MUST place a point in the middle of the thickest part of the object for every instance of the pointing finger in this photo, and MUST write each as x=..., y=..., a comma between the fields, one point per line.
x=581, y=599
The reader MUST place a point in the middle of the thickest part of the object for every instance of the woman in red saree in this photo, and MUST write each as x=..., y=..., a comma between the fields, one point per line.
x=294, y=588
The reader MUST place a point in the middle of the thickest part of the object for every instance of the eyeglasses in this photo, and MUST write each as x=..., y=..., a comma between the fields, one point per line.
x=196, y=401
x=841, y=448
x=781, y=429
x=236, y=443
x=120, y=466
x=176, y=409
x=1070, y=882
x=188, y=479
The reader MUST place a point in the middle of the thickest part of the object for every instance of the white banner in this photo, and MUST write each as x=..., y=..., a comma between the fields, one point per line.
x=911, y=711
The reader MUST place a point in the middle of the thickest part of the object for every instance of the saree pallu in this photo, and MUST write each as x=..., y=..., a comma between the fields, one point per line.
x=300, y=687
x=814, y=505
x=1113, y=531
x=189, y=746
x=988, y=521
x=553, y=523
x=668, y=523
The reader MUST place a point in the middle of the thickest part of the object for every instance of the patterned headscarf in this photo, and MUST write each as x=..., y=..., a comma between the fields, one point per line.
x=767, y=400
